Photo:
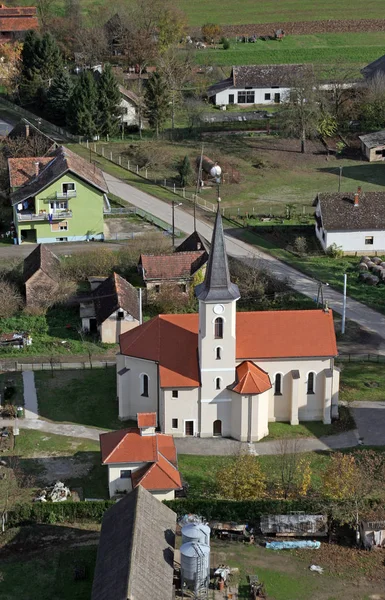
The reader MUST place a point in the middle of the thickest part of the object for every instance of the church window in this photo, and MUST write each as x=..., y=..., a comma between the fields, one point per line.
x=311, y=383
x=278, y=384
x=218, y=353
x=218, y=328
x=218, y=383
x=144, y=385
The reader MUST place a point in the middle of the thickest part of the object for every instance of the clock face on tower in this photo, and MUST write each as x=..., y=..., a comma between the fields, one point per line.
x=219, y=309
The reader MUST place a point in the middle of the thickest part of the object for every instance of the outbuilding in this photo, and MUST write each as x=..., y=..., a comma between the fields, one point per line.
x=373, y=145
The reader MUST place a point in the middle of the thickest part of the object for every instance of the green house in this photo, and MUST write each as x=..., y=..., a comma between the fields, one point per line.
x=57, y=198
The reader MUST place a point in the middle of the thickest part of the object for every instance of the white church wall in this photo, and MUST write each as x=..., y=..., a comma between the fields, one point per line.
x=184, y=408
x=131, y=398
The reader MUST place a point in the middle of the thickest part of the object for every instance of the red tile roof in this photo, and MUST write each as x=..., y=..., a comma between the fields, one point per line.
x=172, y=340
x=181, y=265
x=22, y=170
x=251, y=379
x=127, y=445
x=18, y=18
x=146, y=419
x=161, y=475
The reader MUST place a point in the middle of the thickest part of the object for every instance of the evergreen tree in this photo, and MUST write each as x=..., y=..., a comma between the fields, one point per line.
x=109, y=111
x=48, y=58
x=82, y=106
x=157, y=99
x=185, y=171
x=40, y=62
x=58, y=96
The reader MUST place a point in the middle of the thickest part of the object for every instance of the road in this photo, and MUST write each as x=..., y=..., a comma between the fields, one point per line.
x=360, y=313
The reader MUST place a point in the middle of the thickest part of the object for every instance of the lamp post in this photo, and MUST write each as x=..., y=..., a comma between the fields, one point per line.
x=174, y=204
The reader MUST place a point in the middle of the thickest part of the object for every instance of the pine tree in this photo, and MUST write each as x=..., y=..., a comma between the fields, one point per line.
x=109, y=111
x=185, y=171
x=82, y=106
x=58, y=96
x=48, y=58
x=40, y=62
x=157, y=99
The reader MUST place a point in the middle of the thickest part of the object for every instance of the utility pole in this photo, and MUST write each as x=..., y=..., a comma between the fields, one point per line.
x=173, y=220
x=339, y=180
x=198, y=188
x=344, y=305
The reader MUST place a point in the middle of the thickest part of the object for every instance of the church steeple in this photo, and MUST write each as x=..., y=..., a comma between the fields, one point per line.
x=217, y=286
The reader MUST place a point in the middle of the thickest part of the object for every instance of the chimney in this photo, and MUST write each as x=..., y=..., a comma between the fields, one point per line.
x=356, y=199
x=27, y=130
x=36, y=168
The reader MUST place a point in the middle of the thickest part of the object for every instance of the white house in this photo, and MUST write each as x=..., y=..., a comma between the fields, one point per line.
x=140, y=456
x=220, y=372
x=354, y=222
x=129, y=106
x=256, y=84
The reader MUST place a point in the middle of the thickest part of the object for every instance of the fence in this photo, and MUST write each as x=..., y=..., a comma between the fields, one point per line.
x=356, y=357
x=127, y=165
x=55, y=365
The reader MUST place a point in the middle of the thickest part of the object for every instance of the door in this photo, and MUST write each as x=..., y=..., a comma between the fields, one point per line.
x=189, y=427
x=217, y=428
x=277, y=98
x=231, y=98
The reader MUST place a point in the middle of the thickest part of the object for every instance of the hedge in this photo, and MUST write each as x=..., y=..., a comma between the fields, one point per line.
x=57, y=512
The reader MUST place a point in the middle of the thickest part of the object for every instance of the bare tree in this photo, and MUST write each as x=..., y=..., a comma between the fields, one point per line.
x=288, y=460
x=44, y=10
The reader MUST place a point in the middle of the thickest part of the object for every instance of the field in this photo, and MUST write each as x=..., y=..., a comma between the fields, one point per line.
x=356, y=50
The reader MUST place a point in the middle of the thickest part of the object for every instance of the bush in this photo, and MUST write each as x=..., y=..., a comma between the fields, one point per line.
x=226, y=44
x=11, y=299
x=300, y=245
x=334, y=251
x=63, y=512
x=211, y=32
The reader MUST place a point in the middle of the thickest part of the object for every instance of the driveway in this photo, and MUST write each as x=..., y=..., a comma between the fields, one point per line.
x=370, y=421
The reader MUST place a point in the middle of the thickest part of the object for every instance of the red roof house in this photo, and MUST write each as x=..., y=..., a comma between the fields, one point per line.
x=16, y=21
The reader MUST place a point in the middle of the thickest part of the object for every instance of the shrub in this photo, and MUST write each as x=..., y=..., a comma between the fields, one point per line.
x=211, y=32
x=11, y=299
x=300, y=245
x=334, y=251
x=64, y=512
x=226, y=44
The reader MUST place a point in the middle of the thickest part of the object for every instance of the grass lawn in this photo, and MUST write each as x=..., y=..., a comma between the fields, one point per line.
x=30, y=442
x=311, y=428
x=355, y=50
x=362, y=381
x=86, y=397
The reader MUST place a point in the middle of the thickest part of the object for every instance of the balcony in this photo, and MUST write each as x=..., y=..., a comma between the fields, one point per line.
x=65, y=195
x=57, y=215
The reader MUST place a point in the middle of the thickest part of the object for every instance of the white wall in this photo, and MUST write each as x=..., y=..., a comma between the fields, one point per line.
x=130, y=118
x=112, y=328
x=129, y=387
x=115, y=483
x=222, y=98
x=354, y=241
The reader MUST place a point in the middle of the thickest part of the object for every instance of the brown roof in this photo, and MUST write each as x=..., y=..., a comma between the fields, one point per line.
x=338, y=212
x=22, y=170
x=114, y=293
x=172, y=340
x=136, y=550
x=251, y=379
x=181, y=265
x=146, y=419
x=41, y=258
x=18, y=18
x=260, y=76
x=62, y=161
x=130, y=95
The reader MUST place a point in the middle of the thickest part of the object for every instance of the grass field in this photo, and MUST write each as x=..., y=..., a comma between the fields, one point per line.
x=362, y=382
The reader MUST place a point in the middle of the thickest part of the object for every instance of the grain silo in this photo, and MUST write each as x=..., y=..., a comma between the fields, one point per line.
x=196, y=532
x=195, y=568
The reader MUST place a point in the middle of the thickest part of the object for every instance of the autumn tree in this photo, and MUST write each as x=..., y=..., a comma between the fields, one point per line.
x=10, y=65
x=242, y=478
x=211, y=32
x=172, y=25
x=293, y=470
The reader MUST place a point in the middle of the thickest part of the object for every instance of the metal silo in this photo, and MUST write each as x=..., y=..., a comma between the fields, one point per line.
x=196, y=532
x=195, y=567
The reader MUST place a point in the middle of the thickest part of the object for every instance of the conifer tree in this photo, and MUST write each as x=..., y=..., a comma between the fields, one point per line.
x=157, y=100
x=109, y=111
x=58, y=96
x=185, y=171
x=48, y=58
x=82, y=106
x=40, y=62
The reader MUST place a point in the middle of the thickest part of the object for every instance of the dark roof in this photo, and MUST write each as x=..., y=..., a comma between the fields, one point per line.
x=192, y=243
x=41, y=259
x=135, y=554
x=371, y=140
x=377, y=67
x=261, y=76
x=217, y=285
x=115, y=292
x=63, y=160
x=338, y=212
x=168, y=267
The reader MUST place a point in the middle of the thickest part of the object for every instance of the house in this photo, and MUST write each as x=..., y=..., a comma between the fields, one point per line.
x=129, y=106
x=141, y=457
x=220, y=372
x=373, y=145
x=57, y=198
x=355, y=222
x=256, y=84
x=16, y=21
x=39, y=142
x=41, y=275
x=375, y=68
x=177, y=269
x=136, y=550
x=113, y=308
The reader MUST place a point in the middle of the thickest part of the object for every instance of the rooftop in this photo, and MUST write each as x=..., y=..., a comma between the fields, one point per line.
x=18, y=18
x=260, y=76
x=180, y=265
x=129, y=446
x=371, y=140
x=251, y=379
x=22, y=170
x=338, y=212
x=146, y=419
x=41, y=258
x=114, y=293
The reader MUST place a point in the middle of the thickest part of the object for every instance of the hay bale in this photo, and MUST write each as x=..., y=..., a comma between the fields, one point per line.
x=382, y=275
x=372, y=280
x=364, y=276
x=370, y=265
x=382, y=265
x=363, y=267
x=365, y=259
x=376, y=260
x=377, y=270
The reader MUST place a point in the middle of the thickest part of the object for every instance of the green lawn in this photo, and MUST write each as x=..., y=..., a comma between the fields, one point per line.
x=362, y=381
x=355, y=50
x=311, y=428
x=86, y=397
x=31, y=442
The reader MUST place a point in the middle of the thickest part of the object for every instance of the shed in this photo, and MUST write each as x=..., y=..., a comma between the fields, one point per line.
x=41, y=276
x=373, y=145
x=372, y=534
x=296, y=524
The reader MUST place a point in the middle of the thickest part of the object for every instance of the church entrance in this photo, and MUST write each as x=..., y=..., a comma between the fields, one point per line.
x=189, y=427
x=217, y=428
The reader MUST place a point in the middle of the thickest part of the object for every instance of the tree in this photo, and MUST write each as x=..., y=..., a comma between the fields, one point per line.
x=185, y=171
x=109, y=111
x=242, y=478
x=157, y=98
x=294, y=473
x=211, y=32
x=300, y=112
x=10, y=65
x=58, y=96
x=48, y=60
x=82, y=106
x=44, y=10
x=40, y=62
x=172, y=26
x=91, y=44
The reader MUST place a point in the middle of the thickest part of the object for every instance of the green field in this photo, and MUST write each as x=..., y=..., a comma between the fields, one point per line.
x=356, y=49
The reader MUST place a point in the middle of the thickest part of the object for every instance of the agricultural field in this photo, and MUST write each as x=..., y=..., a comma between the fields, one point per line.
x=355, y=50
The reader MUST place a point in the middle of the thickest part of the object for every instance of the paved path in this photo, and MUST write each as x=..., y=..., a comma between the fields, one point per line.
x=370, y=420
x=356, y=311
x=68, y=429
x=30, y=396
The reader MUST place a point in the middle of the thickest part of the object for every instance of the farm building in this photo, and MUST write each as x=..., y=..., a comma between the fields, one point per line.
x=373, y=145
x=375, y=68
x=41, y=274
x=294, y=525
x=354, y=222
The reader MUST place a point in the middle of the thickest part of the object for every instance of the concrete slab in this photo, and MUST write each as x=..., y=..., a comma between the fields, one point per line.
x=370, y=421
x=30, y=396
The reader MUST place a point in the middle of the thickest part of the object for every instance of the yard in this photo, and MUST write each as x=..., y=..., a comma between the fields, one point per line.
x=362, y=381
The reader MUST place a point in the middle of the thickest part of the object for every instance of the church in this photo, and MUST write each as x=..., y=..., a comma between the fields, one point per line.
x=223, y=373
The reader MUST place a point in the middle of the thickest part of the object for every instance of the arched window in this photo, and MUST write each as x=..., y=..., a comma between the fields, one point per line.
x=311, y=383
x=218, y=383
x=144, y=385
x=218, y=353
x=278, y=384
x=218, y=328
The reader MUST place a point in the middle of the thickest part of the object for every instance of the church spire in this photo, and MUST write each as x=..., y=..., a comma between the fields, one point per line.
x=217, y=286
